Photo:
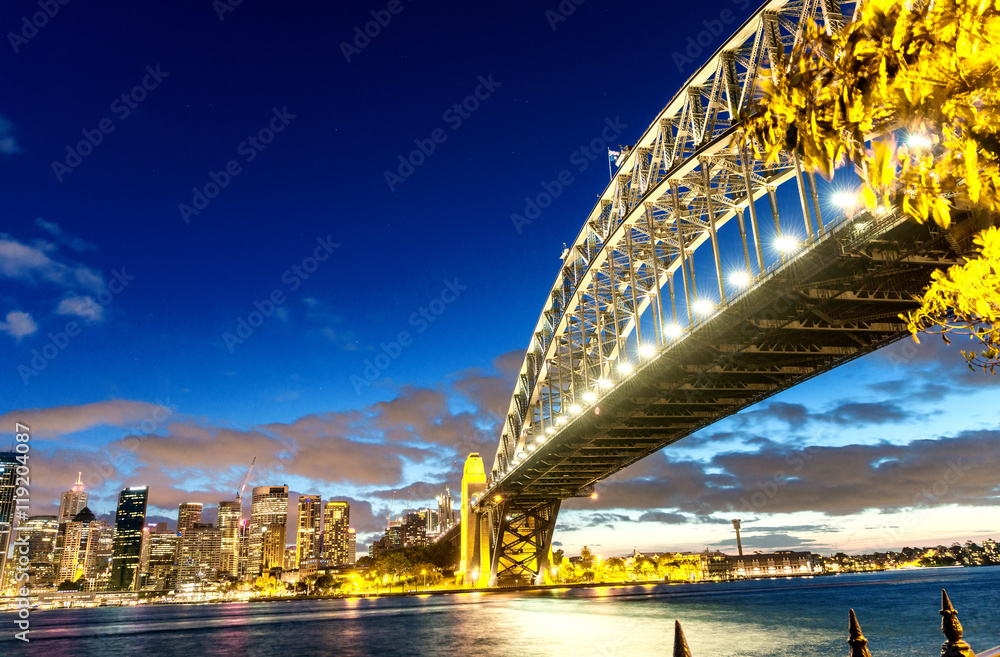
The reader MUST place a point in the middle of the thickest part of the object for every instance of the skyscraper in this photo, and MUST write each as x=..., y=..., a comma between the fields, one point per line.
x=161, y=563
x=230, y=514
x=129, y=520
x=308, y=537
x=446, y=511
x=73, y=500
x=199, y=554
x=8, y=475
x=81, y=545
x=336, y=521
x=352, y=547
x=268, y=519
x=188, y=514
x=40, y=532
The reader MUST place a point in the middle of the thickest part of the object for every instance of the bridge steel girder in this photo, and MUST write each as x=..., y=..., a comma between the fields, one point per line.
x=589, y=400
x=521, y=540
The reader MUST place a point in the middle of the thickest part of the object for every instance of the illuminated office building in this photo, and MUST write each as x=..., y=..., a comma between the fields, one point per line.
x=308, y=535
x=230, y=515
x=336, y=521
x=129, y=520
x=188, y=514
x=268, y=520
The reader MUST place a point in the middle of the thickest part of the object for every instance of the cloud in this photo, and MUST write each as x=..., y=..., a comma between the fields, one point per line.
x=84, y=307
x=63, y=420
x=8, y=143
x=36, y=264
x=52, y=228
x=835, y=481
x=18, y=324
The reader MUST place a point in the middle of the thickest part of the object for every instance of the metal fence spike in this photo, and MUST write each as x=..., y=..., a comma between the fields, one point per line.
x=857, y=640
x=680, y=643
x=954, y=646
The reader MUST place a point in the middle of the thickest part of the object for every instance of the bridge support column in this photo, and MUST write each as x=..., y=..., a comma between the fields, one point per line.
x=475, y=542
x=521, y=537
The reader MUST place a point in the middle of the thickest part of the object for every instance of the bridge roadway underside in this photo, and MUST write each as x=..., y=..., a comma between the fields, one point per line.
x=839, y=300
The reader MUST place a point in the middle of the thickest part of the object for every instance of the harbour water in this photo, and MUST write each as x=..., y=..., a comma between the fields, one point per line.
x=898, y=612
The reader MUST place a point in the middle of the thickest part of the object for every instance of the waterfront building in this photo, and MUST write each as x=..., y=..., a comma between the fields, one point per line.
x=79, y=552
x=290, y=559
x=268, y=520
x=188, y=514
x=160, y=571
x=242, y=549
x=8, y=477
x=230, y=515
x=199, y=554
x=129, y=520
x=308, y=535
x=40, y=533
x=782, y=563
x=336, y=522
x=352, y=546
x=414, y=530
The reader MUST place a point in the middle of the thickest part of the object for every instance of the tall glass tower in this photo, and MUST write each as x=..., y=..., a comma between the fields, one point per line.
x=129, y=521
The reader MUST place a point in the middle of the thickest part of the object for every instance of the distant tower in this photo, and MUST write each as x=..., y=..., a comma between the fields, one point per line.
x=73, y=500
x=739, y=544
x=308, y=537
x=268, y=518
x=188, y=514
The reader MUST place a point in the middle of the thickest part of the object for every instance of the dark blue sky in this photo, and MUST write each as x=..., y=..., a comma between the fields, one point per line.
x=324, y=174
x=152, y=361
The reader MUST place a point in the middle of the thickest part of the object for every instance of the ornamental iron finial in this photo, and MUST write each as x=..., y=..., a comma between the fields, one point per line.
x=954, y=646
x=857, y=640
x=680, y=643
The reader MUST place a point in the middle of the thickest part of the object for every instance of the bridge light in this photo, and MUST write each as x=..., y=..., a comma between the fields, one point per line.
x=605, y=383
x=646, y=350
x=593, y=495
x=703, y=306
x=625, y=367
x=739, y=278
x=562, y=420
x=845, y=200
x=540, y=439
x=786, y=244
x=918, y=140
x=589, y=396
x=574, y=409
x=531, y=448
x=673, y=330
x=550, y=430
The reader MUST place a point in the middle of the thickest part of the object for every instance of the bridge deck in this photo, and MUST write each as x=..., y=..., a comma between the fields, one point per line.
x=835, y=301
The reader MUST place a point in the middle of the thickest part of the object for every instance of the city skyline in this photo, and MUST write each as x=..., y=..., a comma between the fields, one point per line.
x=361, y=335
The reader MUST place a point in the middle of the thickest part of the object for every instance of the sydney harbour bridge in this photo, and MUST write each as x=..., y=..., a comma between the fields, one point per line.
x=686, y=297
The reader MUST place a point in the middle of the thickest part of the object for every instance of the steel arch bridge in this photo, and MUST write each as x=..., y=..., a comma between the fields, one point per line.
x=633, y=351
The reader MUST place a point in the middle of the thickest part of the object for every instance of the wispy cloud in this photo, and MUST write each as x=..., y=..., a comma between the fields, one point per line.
x=78, y=244
x=84, y=307
x=18, y=324
x=8, y=143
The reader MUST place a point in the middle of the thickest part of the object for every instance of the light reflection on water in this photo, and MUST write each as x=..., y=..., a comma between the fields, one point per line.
x=792, y=618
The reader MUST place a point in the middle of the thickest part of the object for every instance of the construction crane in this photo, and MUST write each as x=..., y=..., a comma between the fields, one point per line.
x=239, y=493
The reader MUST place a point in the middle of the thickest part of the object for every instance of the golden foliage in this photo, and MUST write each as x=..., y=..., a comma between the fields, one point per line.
x=931, y=69
x=965, y=300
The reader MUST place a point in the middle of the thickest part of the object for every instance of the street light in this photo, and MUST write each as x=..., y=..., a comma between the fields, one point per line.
x=424, y=573
x=786, y=244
